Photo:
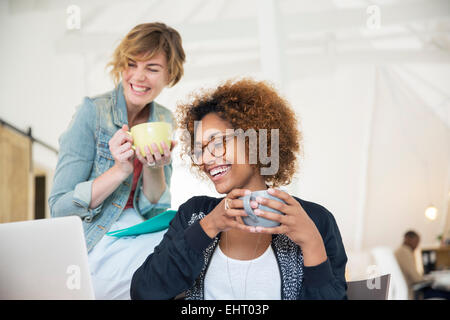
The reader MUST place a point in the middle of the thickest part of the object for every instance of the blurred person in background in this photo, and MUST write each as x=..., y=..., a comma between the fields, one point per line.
x=100, y=178
x=407, y=262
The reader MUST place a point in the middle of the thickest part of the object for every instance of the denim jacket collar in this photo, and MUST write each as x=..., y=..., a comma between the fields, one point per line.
x=120, y=114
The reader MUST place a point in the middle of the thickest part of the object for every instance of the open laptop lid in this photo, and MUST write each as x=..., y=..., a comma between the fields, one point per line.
x=44, y=259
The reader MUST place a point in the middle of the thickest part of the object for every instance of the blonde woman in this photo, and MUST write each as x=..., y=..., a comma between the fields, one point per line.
x=100, y=178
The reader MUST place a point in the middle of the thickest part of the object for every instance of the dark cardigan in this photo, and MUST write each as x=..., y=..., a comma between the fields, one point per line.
x=179, y=263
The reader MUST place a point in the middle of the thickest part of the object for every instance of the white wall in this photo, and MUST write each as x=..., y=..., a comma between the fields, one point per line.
x=409, y=166
x=38, y=88
x=333, y=110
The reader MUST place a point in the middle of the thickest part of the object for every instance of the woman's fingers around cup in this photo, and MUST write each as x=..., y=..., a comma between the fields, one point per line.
x=270, y=215
x=148, y=156
x=124, y=147
x=239, y=204
x=237, y=193
x=125, y=156
x=233, y=213
x=124, y=135
x=165, y=149
x=274, y=204
x=156, y=153
x=139, y=155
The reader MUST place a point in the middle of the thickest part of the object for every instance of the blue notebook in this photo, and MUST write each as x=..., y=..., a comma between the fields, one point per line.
x=155, y=224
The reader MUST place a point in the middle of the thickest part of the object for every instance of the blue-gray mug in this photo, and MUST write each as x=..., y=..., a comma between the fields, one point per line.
x=253, y=220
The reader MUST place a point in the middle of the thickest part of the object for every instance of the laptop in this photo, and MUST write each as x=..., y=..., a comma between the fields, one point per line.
x=44, y=259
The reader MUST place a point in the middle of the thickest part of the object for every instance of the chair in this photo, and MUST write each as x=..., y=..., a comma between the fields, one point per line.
x=386, y=263
x=371, y=289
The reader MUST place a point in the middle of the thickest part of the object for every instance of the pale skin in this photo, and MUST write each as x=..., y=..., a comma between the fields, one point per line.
x=142, y=82
x=239, y=241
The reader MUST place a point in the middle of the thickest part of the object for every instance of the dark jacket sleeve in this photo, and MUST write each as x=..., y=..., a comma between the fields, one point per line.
x=176, y=262
x=326, y=280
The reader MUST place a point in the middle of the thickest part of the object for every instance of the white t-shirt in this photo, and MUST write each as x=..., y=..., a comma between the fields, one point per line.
x=263, y=281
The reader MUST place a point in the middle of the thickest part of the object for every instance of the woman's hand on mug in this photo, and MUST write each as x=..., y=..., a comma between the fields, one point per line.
x=226, y=214
x=295, y=223
x=120, y=146
x=156, y=160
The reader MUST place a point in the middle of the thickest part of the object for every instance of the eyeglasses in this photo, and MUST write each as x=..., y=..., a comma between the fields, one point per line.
x=216, y=147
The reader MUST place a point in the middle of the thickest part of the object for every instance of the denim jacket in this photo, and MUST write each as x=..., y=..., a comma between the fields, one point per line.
x=84, y=155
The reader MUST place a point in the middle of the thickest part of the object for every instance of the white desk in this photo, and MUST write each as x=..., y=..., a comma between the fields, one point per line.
x=441, y=279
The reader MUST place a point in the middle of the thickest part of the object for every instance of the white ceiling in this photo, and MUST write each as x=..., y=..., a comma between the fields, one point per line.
x=224, y=36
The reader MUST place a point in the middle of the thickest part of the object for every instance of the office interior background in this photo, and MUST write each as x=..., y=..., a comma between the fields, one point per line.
x=369, y=82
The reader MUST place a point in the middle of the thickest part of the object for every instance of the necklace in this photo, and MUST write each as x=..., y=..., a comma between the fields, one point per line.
x=248, y=268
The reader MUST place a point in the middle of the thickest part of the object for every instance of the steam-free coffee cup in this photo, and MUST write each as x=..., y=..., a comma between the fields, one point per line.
x=145, y=134
x=253, y=220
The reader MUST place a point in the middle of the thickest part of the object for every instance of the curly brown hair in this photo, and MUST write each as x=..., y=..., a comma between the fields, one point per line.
x=246, y=104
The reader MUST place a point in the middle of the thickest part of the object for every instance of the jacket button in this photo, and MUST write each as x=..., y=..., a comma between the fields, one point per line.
x=116, y=205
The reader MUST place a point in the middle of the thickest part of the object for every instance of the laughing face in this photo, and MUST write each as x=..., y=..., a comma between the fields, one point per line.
x=143, y=81
x=224, y=170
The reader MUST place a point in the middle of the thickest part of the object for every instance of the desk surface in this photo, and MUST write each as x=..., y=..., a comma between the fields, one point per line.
x=441, y=279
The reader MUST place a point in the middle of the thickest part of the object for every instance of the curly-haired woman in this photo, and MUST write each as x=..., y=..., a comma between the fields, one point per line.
x=208, y=252
x=100, y=178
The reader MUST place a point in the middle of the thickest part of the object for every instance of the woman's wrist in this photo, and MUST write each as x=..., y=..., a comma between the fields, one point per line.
x=119, y=173
x=105, y=184
x=153, y=170
x=154, y=179
x=314, y=252
x=153, y=183
x=209, y=227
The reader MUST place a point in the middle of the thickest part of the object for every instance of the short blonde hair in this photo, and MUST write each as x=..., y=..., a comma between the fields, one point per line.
x=145, y=41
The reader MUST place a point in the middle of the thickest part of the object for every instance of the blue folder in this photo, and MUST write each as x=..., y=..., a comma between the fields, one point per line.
x=155, y=224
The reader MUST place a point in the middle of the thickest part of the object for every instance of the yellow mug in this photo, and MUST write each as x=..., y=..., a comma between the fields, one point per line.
x=145, y=134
